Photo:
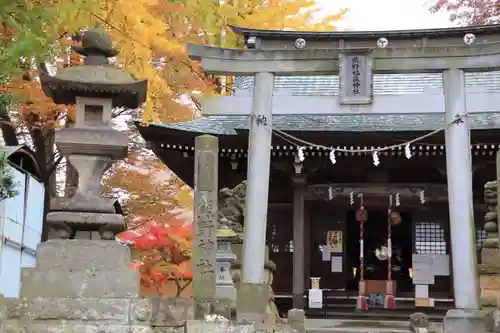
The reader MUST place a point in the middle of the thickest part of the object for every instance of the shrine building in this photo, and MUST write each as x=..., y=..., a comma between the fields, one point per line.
x=325, y=198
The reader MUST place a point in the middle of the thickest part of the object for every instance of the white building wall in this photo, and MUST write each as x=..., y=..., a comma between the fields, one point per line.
x=21, y=219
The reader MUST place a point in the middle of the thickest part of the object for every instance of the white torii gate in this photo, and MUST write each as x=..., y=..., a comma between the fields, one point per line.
x=451, y=52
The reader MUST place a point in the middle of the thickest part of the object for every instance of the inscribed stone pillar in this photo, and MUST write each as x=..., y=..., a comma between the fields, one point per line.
x=466, y=317
x=205, y=218
x=298, y=242
x=253, y=294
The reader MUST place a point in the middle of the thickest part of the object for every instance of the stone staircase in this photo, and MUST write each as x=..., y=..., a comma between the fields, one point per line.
x=345, y=308
x=362, y=326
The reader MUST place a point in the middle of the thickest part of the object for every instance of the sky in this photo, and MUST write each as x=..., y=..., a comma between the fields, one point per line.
x=386, y=14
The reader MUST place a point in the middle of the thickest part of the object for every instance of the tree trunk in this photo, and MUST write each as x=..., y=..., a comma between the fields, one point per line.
x=8, y=130
x=43, y=142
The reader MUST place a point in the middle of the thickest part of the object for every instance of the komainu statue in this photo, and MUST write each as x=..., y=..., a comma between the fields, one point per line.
x=232, y=212
x=491, y=218
x=489, y=269
x=232, y=206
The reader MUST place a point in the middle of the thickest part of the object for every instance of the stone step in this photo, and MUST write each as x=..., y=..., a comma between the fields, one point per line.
x=61, y=282
x=74, y=254
x=358, y=330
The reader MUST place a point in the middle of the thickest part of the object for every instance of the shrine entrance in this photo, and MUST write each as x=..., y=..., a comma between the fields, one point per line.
x=375, y=261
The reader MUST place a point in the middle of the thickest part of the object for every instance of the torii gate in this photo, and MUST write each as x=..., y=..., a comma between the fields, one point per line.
x=451, y=52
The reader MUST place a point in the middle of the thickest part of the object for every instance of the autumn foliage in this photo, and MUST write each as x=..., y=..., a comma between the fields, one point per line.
x=470, y=12
x=162, y=254
x=150, y=36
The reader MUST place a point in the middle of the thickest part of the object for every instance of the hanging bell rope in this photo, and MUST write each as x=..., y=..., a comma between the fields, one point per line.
x=389, y=298
x=361, y=217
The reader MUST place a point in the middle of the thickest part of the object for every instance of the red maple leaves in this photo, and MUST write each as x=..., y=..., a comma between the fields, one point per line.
x=162, y=252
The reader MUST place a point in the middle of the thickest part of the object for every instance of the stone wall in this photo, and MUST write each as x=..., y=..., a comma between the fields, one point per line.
x=98, y=315
x=91, y=315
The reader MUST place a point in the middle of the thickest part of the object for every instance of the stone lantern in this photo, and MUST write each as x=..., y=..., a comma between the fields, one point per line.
x=92, y=146
x=225, y=289
x=68, y=267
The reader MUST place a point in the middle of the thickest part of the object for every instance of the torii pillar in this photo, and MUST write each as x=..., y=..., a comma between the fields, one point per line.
x=253, y=293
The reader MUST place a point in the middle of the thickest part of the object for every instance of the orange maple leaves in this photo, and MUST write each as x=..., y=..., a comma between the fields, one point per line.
x=35, y=109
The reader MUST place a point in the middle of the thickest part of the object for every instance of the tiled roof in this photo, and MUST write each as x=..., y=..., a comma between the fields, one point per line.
x=227, y=125
x=328, y=85
x=383, y=84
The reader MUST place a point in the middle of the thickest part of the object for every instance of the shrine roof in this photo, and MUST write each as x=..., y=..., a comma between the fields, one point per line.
x=398, y=34
x=229, y=125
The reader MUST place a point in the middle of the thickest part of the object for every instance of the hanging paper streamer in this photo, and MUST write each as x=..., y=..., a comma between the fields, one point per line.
x=376, y=160
x=422, y=197
x=408, y=151
x=330, y=193
x=397, y=200
x=300, y=154
x=332, y=156
x=351, y=198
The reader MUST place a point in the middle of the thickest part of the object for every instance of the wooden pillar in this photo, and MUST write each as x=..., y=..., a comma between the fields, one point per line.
x=307, y=247
x=298, y=242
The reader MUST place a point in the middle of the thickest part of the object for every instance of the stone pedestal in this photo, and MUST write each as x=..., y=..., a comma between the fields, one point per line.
x=81, y=268
x=252, y=299
x=252, y=302
x=81, y=286
x=271, y=311
x=466, y=321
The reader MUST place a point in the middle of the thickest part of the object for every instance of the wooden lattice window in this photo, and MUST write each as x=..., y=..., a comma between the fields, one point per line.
x=480, y=238
x=430, y=238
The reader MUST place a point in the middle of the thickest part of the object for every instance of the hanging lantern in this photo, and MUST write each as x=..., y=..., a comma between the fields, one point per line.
x=361, y=215
x=395, y=218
